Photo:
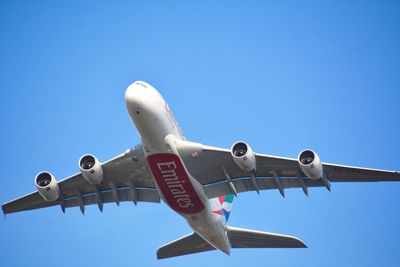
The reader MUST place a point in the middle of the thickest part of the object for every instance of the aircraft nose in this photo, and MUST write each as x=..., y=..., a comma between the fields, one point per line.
x=134, y=96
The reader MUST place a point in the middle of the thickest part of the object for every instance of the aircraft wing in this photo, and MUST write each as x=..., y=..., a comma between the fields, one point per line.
x=216, y=170
x=126, y=178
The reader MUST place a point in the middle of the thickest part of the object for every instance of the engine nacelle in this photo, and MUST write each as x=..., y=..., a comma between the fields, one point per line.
x=91, y=169
x=244, y=156
x=310, y=164
x=47, y=186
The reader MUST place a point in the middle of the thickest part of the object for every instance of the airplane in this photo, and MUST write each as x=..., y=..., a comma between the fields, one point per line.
x=198, y=182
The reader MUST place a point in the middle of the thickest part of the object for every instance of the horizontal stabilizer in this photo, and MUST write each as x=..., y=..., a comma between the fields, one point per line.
x=244, y=238
x=187, y=244
x=239, y=238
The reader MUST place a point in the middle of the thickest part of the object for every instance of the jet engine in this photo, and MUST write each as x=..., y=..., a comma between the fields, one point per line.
x=243, y=156
x=310, y=164
x=91, y=169
x=47, y=186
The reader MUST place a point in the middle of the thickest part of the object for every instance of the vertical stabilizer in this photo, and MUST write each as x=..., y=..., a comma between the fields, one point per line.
x=222, y=206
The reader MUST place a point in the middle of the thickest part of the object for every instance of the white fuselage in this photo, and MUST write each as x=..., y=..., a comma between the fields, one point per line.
x=160, y=133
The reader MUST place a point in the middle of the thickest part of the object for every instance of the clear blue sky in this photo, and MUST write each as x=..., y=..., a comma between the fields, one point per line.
x=282, y=76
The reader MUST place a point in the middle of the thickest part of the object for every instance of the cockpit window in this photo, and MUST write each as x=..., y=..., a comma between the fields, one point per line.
x=141, y=84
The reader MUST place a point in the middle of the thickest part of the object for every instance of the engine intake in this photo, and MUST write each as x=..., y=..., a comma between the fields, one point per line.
x=91, y=169
x=310, y=164
x=47, y=186
x=243, y=156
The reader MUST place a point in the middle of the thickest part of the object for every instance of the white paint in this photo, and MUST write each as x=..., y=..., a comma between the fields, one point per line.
x=160, y=133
